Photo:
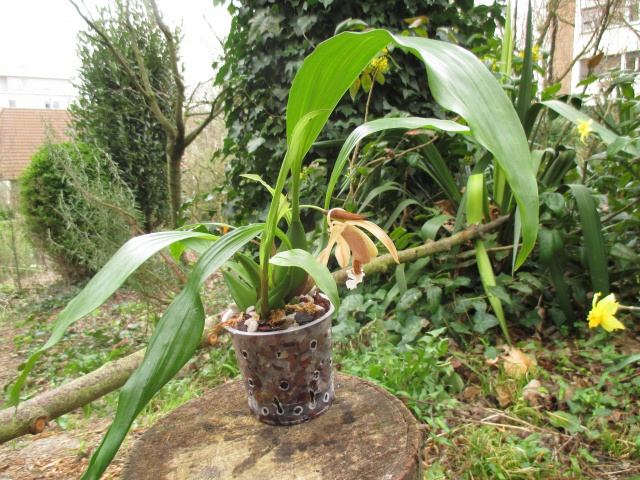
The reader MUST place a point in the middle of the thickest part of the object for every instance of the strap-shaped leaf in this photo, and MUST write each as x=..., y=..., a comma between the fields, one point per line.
x=475, y=195
x=375, y=126
x=593, y=238
x=125, y=261
x=173, y=342
x=240, y=291
x=458, y=81
x=320, y=274
x=575, y=117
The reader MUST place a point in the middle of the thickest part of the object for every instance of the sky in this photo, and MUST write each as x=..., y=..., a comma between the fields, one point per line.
x=38, y=37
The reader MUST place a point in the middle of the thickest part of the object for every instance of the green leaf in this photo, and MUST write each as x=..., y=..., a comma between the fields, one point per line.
x=624, y=253
x=575, y=117
x=379, y=190
x=176, y=250
x=475, y=198
x=292, y=160
x=401, y=280
x=320, y=274
x=174, y=340
x=375, y=126
x=408, y=300
x=526, y=75
x=458, y=81
x=593, y=238
x=628, y=360
x=483, y=321
x=242, y=293
x=398, y=210
x=430, y=229
x=350, y=24
x=565, y=420
x=125, y=261
x=366, y=82
x=353, y=89
x=251, y=268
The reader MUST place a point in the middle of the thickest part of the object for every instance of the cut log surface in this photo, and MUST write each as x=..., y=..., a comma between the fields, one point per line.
x=367, y=434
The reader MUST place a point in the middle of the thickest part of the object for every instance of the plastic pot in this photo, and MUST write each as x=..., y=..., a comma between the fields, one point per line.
x=287, y=374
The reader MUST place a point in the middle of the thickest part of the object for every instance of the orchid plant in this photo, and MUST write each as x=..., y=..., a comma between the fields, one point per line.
x=458, y=81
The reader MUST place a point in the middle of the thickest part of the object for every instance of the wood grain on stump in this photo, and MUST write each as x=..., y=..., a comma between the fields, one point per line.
x=367, y=434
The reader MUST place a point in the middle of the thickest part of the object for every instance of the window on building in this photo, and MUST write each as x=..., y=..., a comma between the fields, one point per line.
x=56, y=104
x=633, y=10
x=590, y=18
x=47, y=104
x=608, y=62
x=633, y=61
x=12, y=104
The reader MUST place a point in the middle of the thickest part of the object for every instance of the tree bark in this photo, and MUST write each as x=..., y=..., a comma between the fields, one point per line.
x=367, y=433
x=32, y=416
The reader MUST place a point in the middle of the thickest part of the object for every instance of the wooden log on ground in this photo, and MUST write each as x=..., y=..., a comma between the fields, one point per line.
x=33, y=415
x=367, y=434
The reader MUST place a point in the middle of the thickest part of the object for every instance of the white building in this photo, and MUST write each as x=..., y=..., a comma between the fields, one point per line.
x=30, y=91
x=620, y=43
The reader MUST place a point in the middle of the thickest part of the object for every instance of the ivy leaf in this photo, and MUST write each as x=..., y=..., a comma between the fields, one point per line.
x=408, y=300
x=254, y=144
x=483, y=321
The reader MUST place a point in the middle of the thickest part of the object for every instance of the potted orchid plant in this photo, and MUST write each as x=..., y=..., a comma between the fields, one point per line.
x=286, y=269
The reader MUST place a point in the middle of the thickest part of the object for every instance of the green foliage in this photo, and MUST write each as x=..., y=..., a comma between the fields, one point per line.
x=265, y=49
x=321, y=81
x=110, y=112
x=75, y=207
x=420, y=375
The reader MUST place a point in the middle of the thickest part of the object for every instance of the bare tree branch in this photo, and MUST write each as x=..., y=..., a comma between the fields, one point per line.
x=175, y=70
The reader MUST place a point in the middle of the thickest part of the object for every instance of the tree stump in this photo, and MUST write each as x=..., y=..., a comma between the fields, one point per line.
x=367, y=434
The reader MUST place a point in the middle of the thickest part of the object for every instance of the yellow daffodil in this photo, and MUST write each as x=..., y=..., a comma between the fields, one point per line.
x=344, y=228
x=584, y=128
x=603, y=313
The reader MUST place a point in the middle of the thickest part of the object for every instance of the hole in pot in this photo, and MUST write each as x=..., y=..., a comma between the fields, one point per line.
x=316, y=375
x=245, y=354
x=312, y=403
x=265, y=411
x=326, y=397
x=250, y=393
x=313, y=345
x=330, y=361
x=284, y=385
x=279, y=409
x=321, y=361
x=278, y=354
x=297, y=410
x=250, y=382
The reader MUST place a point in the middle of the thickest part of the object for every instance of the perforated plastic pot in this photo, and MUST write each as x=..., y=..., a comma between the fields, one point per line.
x=287, y=374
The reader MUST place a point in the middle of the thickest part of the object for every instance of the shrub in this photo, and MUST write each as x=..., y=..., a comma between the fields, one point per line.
x=76, y=208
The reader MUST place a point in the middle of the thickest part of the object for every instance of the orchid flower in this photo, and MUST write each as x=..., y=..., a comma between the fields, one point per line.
x=344, y=228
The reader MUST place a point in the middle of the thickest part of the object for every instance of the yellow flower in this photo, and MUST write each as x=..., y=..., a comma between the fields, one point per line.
x=344, y=228
x=603, y=313
x=584, y=128
x=535, y=53
x=381, y=64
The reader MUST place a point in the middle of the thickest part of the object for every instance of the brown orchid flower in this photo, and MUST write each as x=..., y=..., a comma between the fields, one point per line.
x=344, y=228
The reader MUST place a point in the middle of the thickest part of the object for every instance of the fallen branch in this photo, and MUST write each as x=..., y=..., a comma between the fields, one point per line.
x=32, y=416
